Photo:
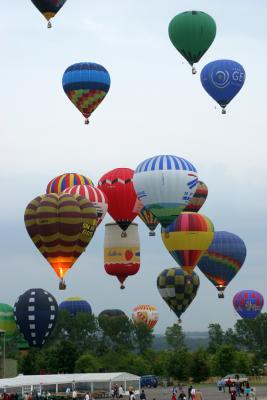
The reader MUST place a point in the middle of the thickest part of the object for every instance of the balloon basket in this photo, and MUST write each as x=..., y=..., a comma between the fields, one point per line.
x=194, y=71
x=223, y=111
x=49, y=25
x=122, y=287
x=152, y=234
x=86, y=122
x=221, y=295
x=62, y=285
x=123, y=234
x=179, y=321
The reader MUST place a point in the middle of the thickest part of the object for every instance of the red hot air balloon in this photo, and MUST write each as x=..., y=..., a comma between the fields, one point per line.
x=123, y=205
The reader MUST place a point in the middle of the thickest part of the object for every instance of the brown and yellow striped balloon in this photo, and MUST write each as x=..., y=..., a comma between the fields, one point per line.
x=61, y=227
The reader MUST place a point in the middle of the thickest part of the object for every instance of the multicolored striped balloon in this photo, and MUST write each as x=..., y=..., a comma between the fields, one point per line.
x=7, y=320
x=223, y=259
x=95, y=196
x=145, y=314
x=86, y=84
x=187, y=238
x=248, y=303
x=149, y=219
x=49, y=8
x=198, y=199
x=66, y=181
x=178, y=289
x=61, y=227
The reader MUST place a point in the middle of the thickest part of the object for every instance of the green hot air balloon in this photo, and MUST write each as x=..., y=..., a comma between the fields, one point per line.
x=192, y=33
x=178, y=289
x=7, y=320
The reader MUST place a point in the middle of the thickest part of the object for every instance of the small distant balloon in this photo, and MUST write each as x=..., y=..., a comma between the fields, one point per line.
x=248, y=303
x=222, y=80
x=49, y=8
x=86, y=84
x=145, y=314
x=198, y=199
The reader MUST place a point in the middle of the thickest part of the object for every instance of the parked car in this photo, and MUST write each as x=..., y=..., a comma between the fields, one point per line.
x=235, y=377
x=149, y=381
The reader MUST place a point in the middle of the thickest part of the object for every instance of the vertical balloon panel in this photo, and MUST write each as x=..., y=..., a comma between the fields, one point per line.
x=121, y=254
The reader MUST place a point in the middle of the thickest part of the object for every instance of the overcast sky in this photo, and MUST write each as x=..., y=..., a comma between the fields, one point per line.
x=155, y=106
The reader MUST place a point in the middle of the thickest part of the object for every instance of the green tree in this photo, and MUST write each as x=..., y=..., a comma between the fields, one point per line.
x=178, y=366
x=31, y=363
x=223, y=361
x=252, y=333
x=143, y=338
x=216, y=337
x=199, y=368
x=230, y=338
x=87, y=363
x=116, y=334
x=175, y=338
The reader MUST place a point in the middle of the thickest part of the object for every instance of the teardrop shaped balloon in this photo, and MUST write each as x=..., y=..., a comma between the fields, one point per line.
x=222, y=80
x=149, y=219
x=165, y=184
x=61, y=227
x=65, y=181
x=49, y=8
x=192, y=33
x=187, y=238
x=178, y=289
x=122, y=200
x=223, y=259
x=95, y=196
x=86, y=84
x=35, y=313
x=121, y=255
x=248, y=303
x=75, y=305
x=145, y=314
x=198, y=199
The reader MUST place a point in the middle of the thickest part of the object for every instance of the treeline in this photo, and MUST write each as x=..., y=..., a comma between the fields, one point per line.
x=85, y=344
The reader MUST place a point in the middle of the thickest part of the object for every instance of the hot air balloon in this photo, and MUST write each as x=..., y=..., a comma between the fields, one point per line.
x=165, y=185
x=178, y=289
x=7, y=320
x=86, y=85
x=121, y=255
x=112, y=313
x=223, y=259
x=192, y=33
x=61, y=227
x=248, y=303
x=95, y=196
x=66, y=181
x=35, y=314
x=187, y=238
x=145, y=314
x=75, y=305
x=149, y=219
x=49, y=8
x=222, y=80
x=122, y=200
x=198, y=199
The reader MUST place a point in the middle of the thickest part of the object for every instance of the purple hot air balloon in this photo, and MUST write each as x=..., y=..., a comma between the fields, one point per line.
x=248, y=303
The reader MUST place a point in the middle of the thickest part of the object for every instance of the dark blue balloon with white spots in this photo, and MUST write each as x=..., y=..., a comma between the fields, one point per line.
x=35, y=312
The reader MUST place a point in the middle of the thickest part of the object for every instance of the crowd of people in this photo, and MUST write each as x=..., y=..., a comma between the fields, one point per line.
x=237, y=388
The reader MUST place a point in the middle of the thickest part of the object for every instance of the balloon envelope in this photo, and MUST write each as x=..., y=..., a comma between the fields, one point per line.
x=248, y=303
x=95, y=196
x=122, y=200
x=222, y=80
x=7, y=320
x=192, y=33
x=177, y=288
x=48, y=8
x=112, y=313
x=66, y=181
x=35, y=314
x=165, y=184
x=75, y=305
x=86, y=84
x=223, y=259
x=198, y=199
x=121, y=255
x=61, y=227
x=145, y=314
x=187, y=238
x=149, y=219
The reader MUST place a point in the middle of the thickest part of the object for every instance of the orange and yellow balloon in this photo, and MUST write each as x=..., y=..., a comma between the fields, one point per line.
x=145, y=314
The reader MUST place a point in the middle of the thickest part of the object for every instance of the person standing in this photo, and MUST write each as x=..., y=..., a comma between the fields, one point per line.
x=142, y=395
x=247, y=390
x=121, y=391
x=74, y=394
x=189, y=392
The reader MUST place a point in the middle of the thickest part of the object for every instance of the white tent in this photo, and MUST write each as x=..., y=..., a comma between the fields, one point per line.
x=59, y=383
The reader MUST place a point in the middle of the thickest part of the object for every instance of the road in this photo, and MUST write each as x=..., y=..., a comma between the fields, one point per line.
x=209, y=392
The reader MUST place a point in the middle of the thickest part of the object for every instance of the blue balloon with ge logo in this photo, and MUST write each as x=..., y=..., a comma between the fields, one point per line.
x=222, y=80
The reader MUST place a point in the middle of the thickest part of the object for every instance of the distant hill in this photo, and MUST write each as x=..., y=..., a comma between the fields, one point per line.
x=193, y=340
